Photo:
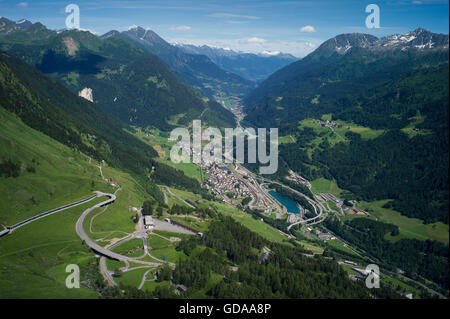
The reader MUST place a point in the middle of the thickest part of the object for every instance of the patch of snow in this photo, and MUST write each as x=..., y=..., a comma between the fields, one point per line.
x=407, y=38
x=343, y=50
x=87, y=30
x=211, y=46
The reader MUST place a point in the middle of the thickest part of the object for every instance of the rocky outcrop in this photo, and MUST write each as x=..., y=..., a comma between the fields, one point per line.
x=87, y=94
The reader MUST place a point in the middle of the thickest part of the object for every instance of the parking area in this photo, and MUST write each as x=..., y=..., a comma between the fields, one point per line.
x=163, y=225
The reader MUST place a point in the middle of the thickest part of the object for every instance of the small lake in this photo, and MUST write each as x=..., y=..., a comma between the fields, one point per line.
x=290, y=205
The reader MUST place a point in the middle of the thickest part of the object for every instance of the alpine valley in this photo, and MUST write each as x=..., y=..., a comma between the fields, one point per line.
x=86, y=176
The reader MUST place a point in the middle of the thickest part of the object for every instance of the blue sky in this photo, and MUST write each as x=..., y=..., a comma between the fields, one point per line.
x=246, y=25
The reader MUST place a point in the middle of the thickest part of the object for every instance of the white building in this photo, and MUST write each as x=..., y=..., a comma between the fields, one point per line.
x=148, y=222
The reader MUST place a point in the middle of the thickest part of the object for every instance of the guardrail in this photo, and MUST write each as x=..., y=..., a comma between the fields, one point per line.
x=29, y=220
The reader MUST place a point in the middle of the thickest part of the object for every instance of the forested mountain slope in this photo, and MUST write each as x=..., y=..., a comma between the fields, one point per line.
x=197, y=69
x=126, y=80
x=254, y=67
x=49, y=107
x=397, y=86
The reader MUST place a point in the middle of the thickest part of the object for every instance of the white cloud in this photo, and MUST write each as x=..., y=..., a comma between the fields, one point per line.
x=181, y=28
x=255, y=40
x=270, y=53
x=308, y=29
x=231, y=15
x=22, y=4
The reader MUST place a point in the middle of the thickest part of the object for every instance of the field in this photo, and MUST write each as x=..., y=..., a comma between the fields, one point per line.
x=332, y=136
x=341, y=246
x=322, y=185
x=167, y=234
x=168, y=254
x=286, y=139
x=155, y=242
x=409, y=227
x=131, y=248
x=412, y=129
x=339, y=134
x=33, y=258
x=313, y=248
x=189, y=169
x=259, y=227
x=194, y=223
x=151, y=285
x=116, y=219
x=161, y=144
x=62, y=175
x=365, y=132
x=131, y=278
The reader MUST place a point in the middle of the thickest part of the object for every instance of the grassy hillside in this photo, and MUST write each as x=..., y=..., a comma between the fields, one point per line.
x=126, y=80
x=392, y=108
x=34, y=257
x=51, y=174
x=198, y=70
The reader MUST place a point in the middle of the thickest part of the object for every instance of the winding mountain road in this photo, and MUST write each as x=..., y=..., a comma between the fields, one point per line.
x=10, y=229
x=96, y=247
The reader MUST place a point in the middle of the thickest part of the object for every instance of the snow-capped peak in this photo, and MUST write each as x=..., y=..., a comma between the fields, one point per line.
x=212, y=46
x=133, y=27
x=271, y=53
x=419, y=38
x=88, y=30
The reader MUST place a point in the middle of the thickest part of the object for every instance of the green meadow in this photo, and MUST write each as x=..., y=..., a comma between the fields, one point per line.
x=33, y=258
x=61, y=176
x=408, y=227
x=325, y=186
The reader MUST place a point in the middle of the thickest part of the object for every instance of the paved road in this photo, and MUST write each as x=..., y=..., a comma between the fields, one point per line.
x=177, y=197
x=96, y=247
x=311, y=221
x=144, y=278
x=107, y=274
x=261, y=196
x=10, y=229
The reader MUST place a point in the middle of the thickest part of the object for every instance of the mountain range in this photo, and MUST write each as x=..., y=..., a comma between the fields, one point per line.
x=197, y=69
x=254, y=67
x=125, y=79
x=366, y=115
x=397, y=88
x=345, y=64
